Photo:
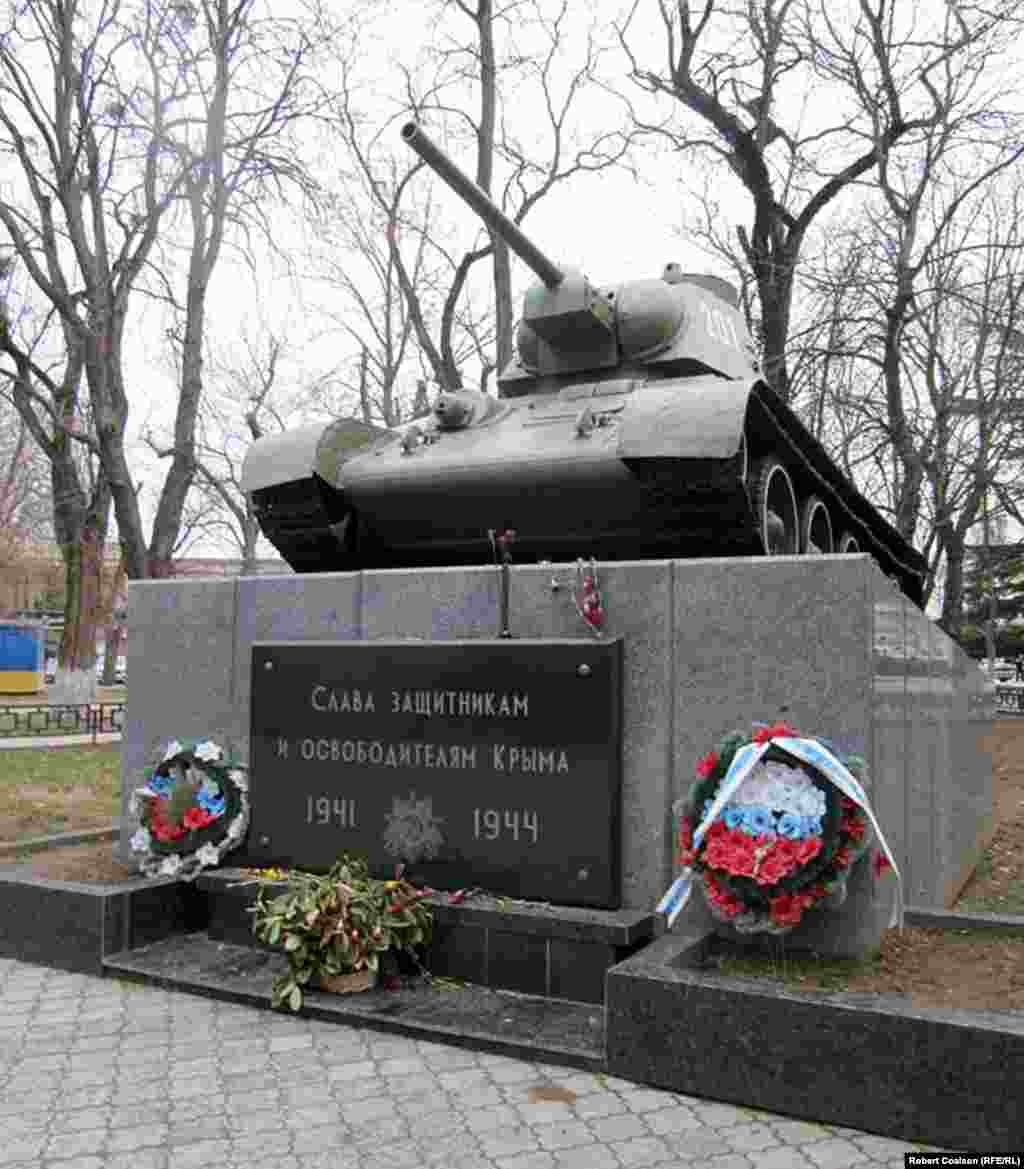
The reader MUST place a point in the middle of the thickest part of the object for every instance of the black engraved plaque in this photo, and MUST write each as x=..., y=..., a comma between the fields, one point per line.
x=476, y=763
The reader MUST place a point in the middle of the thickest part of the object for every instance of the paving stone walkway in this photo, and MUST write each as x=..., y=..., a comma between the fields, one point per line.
x=107, y=1074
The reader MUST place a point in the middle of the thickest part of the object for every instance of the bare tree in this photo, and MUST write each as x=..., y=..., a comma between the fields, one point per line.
x=746, y=73
x=248, y=396
x=956, y=371
x=487, y=62
x=375, y=299
x=47, y=397
x=118, y=115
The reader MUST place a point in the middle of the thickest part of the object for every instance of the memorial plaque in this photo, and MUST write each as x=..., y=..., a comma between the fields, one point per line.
x=490, y=763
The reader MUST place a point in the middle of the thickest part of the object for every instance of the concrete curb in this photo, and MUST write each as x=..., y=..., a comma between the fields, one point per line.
x=951, y=919
x=22, y=741
x=59, y=840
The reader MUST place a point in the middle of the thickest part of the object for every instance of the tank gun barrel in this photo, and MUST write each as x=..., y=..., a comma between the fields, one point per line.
x=493, y=217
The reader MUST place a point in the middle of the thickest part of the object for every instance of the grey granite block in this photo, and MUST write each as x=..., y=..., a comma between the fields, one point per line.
x=311, y=607
x=972, y=819
x=944, y=1076
x=637, y=601
x=184, y=632
x=439, y=604
x=926, y=785
x=760, y=639
x=889, y=711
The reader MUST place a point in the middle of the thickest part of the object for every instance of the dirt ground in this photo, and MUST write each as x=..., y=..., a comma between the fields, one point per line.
x=932, y=967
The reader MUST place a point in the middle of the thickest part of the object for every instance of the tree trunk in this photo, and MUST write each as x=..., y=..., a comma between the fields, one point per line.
x=503, y=316
x=75, y=679
x=952, y=616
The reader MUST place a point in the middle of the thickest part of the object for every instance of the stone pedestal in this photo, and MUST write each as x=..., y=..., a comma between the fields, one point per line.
x=709, y=645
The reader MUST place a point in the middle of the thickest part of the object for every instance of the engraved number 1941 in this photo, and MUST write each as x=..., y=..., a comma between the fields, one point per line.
x=325, y=810
x=490, y=823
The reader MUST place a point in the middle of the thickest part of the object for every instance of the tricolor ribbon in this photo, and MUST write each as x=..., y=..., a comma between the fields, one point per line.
x=743, y=762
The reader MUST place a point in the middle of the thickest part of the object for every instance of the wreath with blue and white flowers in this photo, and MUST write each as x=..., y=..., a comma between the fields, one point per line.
x=193, y=810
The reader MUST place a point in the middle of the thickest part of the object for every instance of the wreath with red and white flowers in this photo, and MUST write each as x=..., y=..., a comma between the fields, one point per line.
x=771, y=829
x=193, y=809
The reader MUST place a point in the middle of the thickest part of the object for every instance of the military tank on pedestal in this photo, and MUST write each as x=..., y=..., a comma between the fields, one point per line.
x=632, y=424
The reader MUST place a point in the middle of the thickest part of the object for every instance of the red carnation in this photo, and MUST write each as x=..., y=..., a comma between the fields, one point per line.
x=728, y=904
x=684, y=852
x=197, y=818
x=706, y=764
x=788, y=908
x=843, y=857
x=807, y=849
x=853, y=826
x=732, y=851
x=776, y=865
x=779, y=730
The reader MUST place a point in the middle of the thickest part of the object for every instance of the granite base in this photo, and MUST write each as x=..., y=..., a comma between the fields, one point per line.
x=73, y=925
x=875, y=1062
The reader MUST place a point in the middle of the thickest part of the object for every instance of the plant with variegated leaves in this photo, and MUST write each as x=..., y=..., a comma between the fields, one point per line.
x=337, y=923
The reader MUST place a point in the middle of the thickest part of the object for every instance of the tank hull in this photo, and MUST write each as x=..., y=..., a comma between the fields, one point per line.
x=620, y=469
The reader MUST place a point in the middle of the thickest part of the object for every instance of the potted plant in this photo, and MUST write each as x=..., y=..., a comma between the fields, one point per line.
x=335, y=926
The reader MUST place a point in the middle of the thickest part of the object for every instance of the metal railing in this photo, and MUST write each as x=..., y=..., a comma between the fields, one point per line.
x=1010, y=699
x=96, y=718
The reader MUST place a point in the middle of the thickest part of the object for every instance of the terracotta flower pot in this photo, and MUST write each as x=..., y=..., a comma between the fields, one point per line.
x=347, y=983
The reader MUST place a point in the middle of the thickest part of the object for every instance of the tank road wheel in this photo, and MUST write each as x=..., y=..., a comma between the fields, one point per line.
x=774, y=503
x=815, y=528
x=847, y=543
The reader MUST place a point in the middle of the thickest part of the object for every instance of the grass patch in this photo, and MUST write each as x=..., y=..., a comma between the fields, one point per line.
x=950, y=967
x=58, y=790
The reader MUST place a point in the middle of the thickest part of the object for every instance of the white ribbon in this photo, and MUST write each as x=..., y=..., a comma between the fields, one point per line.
x=743, y=762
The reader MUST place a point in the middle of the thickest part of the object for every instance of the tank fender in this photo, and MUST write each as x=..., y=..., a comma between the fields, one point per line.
x=684, y=418
x=281, y=458
x=296, y=454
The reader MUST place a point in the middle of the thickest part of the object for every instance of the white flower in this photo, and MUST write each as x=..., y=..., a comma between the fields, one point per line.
x=236, y=828
x=170, y=865
x=208, y=855
x=140, y=841
x=173, y=748
x=239, y=779
x=136, y=798
x=209, y=752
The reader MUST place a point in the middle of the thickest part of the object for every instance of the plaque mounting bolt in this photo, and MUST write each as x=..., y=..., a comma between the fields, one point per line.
x=583, y=874
x=583, y=671
x=264, y=840
x=268, y=665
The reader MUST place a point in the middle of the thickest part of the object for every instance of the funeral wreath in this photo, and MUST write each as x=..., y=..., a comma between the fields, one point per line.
x=771, y=829
x=193, y=809
x=336, y=925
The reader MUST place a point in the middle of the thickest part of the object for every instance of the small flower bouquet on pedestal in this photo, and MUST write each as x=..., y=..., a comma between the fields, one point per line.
x=336, y=927
x=771, y=829
x=193, y=809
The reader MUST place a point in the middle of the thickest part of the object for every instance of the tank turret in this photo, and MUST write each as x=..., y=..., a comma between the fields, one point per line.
x=632, y=423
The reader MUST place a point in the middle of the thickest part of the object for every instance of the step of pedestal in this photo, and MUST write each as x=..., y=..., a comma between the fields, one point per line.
x=521, y=1026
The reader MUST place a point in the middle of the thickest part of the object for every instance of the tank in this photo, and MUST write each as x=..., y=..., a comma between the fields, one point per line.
x=632, y=423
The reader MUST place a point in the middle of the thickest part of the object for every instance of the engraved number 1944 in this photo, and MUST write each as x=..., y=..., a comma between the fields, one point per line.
x=490, y=823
